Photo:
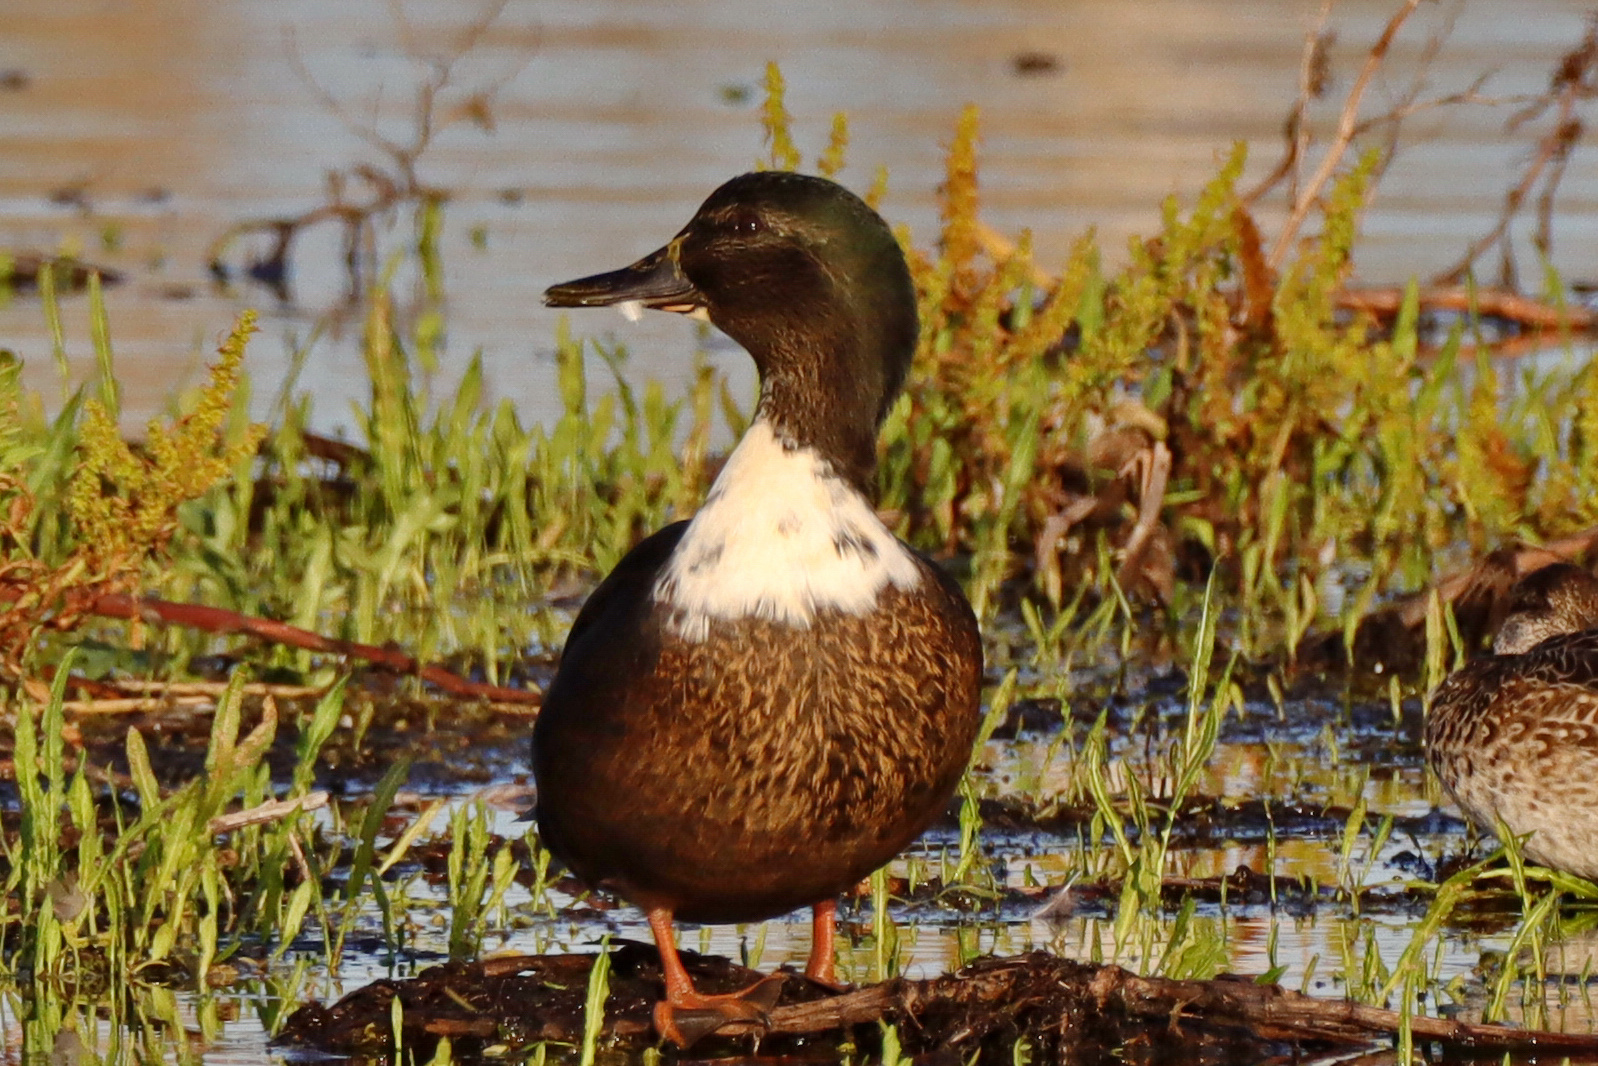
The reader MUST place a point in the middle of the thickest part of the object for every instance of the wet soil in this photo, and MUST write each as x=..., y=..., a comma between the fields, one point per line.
x=1057, y=1009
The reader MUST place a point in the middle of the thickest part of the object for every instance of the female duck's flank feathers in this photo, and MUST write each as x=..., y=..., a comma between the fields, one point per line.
x=1514, y=736
x=780, y=537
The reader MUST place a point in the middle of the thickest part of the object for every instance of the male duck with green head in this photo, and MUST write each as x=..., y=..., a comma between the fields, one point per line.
x=762, y=705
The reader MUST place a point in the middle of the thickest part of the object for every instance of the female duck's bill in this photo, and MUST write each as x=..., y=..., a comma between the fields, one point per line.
x=759, y=707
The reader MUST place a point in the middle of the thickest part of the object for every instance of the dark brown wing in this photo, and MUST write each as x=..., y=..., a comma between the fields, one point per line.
x=627, y=585
x=610, y=641
x=763, y=766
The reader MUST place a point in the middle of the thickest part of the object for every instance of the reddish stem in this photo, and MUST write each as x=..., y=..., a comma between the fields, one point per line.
x=221, y=620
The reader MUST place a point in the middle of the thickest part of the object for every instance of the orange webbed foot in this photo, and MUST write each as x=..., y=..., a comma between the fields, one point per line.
x=685, y=1019
x=829, y=983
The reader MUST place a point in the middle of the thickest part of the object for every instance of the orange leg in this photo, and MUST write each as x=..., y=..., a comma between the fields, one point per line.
x=823, y=925
x=685, y=1014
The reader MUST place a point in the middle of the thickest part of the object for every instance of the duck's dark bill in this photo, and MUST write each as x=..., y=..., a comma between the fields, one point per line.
x=653, y=281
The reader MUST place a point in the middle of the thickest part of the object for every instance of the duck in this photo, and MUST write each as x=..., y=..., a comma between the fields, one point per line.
x=1513, y=736
x=764, y=703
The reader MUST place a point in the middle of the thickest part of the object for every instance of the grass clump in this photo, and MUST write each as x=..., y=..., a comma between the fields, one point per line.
x=1197, y=410
x=123, y=505
x=163, y=896
x=1120, y=432
x=83, y=514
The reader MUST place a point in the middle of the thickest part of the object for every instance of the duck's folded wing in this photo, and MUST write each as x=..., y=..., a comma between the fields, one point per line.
x=1571, y=659
x=1553, y=732
x=629, y=584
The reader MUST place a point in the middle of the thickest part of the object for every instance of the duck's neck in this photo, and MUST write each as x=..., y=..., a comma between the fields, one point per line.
x=828, y=393
x=848, y=450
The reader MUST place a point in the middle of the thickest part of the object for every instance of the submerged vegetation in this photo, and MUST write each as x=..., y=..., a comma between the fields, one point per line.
x=1155, y=482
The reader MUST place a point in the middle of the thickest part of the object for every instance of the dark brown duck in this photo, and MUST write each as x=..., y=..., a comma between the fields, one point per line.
x=762, y=705
x=1514, y=736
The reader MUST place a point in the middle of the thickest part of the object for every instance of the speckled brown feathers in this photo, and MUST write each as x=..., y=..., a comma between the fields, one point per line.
x=764, y=768
x=1514, y=737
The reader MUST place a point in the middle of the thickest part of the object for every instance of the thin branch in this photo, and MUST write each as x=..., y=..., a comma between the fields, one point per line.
x=1574, y=79
x=1495, y=303
x=395, y=180
x=1565, y=138
x=1312, y=81
x=1468, y=96
x=1347, y=123
x=220, y=620
x=216, y=688
x=363, y=130
x=270, y=811
x=1418, y=82
x=1154, y=465
x=1513, y=200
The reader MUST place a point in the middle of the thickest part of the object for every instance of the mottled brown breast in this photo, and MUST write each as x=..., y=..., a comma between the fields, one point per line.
x=766, y=767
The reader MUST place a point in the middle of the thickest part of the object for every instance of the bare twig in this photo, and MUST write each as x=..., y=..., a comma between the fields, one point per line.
x=1547, y=150
x=1154, y=466
x=221, y=620
x=270, y=811
x=1410, y=101
x=132, y=704
x=1497, y=303
x=1347, y=126
x=1393, y=119
x=361, y=194
x=159, y=695
x=1574, y=81
x=216, y=688
x=300, y=862
x=1313, y=78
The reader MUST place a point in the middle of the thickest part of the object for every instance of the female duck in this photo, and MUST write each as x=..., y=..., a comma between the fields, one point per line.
x=1514, y=736
x=760, y=706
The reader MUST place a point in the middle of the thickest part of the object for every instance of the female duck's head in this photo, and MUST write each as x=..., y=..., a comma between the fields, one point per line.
x=810, y=280
x=1557, y=599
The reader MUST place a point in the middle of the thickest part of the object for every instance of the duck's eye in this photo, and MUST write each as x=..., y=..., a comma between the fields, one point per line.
x=745, y=225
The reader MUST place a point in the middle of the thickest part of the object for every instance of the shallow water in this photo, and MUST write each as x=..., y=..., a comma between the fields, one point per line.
x=136, y=133
x=1276, y=797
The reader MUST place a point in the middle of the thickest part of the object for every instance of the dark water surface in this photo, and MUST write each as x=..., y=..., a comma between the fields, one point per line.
x=135, y=133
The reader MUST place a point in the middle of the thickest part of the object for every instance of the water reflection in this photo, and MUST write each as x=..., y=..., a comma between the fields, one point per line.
x=140, y=132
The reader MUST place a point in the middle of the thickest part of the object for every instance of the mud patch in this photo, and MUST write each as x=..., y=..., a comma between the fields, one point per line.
x=1060, y=1009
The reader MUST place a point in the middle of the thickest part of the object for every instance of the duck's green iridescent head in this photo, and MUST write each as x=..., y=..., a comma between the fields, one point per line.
x=811, y=281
